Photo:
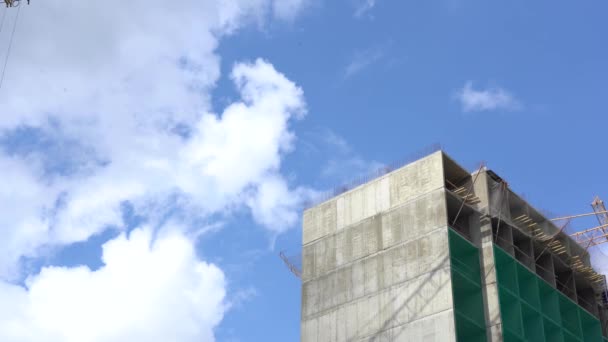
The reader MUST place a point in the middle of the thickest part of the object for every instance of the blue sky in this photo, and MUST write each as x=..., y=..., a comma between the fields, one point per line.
x=126, y=143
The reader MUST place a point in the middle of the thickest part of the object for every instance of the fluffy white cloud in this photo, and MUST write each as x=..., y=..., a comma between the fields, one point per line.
x=247, y=141
x=275, y=206
x=134, y=96
x=104, y=104
x=146, y=291
x=227, y=160
x=24, y=222
x=473, y=100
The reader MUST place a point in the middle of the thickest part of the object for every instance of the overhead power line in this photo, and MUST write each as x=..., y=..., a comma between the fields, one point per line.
x=10, y=44
x=2, y=20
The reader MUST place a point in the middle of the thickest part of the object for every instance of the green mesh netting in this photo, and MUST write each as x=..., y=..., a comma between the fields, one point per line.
x=532, y=310
x=466, y=289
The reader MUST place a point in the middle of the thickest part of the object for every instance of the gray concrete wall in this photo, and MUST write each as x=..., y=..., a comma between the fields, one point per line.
x=376, y=262
x=389, y=191
x=482, y=190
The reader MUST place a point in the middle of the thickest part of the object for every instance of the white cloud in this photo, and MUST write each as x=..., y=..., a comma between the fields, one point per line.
x=363, y=7
x=288, y=9
x=362, y=60
x=275, y=206
x=473, y=100
x=121, y=94
x=224, y=161
x=145, y=292
x=247, y=141
x=23, y=224
x=128, y=89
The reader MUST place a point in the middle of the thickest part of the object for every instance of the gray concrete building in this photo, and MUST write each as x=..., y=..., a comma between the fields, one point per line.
x=430, y=252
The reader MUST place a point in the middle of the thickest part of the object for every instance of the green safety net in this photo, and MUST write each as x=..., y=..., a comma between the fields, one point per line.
x=533, y=310
x=466, y=289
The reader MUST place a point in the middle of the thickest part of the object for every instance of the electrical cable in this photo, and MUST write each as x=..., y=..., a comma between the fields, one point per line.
x=10, y=44
x=2, y=20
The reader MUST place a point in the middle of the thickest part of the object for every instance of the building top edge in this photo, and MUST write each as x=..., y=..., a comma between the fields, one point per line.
x=361, y=182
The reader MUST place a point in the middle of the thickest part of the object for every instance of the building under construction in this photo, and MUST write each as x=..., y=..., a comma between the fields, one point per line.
x=430, y=252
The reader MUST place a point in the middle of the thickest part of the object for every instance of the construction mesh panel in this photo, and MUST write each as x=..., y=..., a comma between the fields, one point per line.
x=532, y=310
x=466, y=289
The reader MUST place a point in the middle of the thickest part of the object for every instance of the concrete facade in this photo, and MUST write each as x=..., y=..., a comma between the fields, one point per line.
x=375, y=262
x=375, y=259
